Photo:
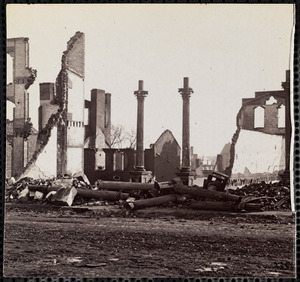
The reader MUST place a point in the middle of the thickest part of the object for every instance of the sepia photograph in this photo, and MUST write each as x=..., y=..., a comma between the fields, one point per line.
x=149, y=140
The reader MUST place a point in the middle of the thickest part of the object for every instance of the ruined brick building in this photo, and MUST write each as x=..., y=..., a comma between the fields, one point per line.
x=74, y=134
x=260, y=147
x=65, y=127
x=117, y=167
x=208, y=164
x=162, y=159
x=61, y=117
x=204, y=165
x=21, y=137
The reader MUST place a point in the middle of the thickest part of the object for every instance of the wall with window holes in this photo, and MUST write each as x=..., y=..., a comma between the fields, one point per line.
x=263, y=115
x=118, y=164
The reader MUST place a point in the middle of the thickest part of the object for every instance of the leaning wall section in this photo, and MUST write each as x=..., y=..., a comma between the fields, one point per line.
x=52, y=142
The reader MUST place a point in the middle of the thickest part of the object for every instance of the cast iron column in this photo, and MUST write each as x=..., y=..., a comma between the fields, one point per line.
x=186, y=92
x=140, y=95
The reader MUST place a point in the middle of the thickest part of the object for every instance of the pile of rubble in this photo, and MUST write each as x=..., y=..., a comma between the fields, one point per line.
x=272, y=196
x=77, y=191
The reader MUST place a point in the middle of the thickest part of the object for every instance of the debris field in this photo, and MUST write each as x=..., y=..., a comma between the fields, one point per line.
x=76, y=190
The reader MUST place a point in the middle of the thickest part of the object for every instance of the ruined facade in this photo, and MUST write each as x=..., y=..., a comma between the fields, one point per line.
x=70, y=97
x=20, y=139
x=161, y=160
x=260, y=146
x=163, y=157
x=60, y=142
x=118, y=164
x=264, y=113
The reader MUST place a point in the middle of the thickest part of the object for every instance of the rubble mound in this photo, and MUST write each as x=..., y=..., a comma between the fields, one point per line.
x=272, y=196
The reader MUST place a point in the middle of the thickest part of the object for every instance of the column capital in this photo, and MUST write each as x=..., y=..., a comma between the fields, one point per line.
x=141, y=93
x=186, y=91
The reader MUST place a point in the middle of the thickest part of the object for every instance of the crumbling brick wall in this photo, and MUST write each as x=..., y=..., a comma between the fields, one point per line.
x=245, y=120
x=59, y=121
x=23, y=76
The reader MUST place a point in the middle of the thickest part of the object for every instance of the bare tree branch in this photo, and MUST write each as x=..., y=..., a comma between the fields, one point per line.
x=131, y=138
x=120, y=137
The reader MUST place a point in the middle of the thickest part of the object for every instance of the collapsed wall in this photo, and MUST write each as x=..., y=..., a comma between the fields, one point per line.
x=60, y=143
x=258, y=148
x=43, y=162
x=258, y=153
x=234, y=139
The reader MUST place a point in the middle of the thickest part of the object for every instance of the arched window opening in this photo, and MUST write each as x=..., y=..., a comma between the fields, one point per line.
x=271, y=101
x=259, y=117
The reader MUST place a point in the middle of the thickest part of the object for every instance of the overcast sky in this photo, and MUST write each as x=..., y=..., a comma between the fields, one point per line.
x=228, y=51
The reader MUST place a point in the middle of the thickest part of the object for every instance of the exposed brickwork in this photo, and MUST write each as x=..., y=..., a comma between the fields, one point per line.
x=75, y=54
x=45, y=112
x=246, y=115
x=23, y=77
x=31, y=145
x=55, y=104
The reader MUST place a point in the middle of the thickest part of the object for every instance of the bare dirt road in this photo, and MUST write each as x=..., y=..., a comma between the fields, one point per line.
x=69, y=244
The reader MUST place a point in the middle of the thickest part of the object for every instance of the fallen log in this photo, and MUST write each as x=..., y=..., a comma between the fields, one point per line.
x=204, y=193
x=85, y=193
x=151, y=202
x=224, y=206
x=126, y=186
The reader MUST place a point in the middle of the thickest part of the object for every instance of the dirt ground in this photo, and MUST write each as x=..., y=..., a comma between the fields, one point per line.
x=150, y=243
